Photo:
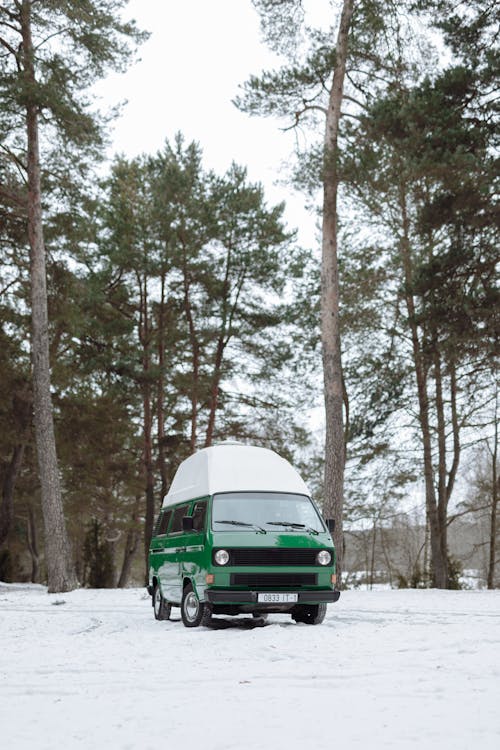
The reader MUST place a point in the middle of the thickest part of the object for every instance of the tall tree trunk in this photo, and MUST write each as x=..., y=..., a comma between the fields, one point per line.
x=439, y=568
x=109, y=541
x=442, y=470
x=330, y=324
x=60, y=568
x=214, y=393
x=425, y=574
x=131, y=545
x=372, y=558
x=222, y=341
x=148, y=468
x=494, y=506
x=388, y=561
x=160, y=390
x=144, y=335
x=195, y=351
x=455, y=429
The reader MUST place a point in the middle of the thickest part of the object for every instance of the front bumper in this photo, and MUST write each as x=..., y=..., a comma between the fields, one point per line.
x=215, y=596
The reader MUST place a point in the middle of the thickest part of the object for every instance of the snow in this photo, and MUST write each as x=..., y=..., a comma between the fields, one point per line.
x=233, y=467
x=387, y=669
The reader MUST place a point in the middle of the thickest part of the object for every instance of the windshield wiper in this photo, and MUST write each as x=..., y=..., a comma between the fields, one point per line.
x=292, y=525
x=243, y=523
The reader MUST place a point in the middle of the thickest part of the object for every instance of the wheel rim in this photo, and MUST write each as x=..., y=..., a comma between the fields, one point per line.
x=157, y=602
x=191, y=606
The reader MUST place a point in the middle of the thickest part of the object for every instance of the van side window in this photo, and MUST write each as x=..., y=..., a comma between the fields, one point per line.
x=177, y=519
x=199, y=514
x=163, y=522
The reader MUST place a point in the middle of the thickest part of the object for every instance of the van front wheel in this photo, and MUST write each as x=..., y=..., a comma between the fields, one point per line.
x=194, y=612
x=311, y=614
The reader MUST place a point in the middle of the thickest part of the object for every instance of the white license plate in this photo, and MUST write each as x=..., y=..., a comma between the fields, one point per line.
x=277, y=598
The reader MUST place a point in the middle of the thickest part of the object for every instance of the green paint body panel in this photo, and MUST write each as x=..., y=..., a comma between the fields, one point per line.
x=177, y=558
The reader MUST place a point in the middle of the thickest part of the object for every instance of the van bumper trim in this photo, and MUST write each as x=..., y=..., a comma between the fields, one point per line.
x=239, y=597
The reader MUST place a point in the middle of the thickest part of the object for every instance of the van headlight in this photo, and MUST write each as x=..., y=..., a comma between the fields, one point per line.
x=221, y=557
x=323, y=557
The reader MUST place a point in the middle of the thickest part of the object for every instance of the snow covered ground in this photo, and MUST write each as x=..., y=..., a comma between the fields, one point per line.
x=388, y=669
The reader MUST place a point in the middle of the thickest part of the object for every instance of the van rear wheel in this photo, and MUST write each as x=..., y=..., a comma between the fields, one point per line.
x=194, y=612
x=311, y=614
x=161, y=608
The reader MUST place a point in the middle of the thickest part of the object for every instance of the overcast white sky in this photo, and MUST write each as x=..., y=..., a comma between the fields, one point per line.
x=190, y=69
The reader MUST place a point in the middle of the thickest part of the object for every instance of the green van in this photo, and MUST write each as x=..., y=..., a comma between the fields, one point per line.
x=239, y=533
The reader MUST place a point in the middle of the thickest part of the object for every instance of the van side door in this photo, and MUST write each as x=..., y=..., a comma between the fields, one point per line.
x=194, y=562
x=175, y=546
x=157, y=550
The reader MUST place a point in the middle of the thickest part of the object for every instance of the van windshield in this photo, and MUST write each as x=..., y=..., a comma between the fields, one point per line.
x=269, y=511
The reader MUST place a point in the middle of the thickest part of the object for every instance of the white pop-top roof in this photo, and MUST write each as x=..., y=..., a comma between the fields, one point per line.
x=233, y=467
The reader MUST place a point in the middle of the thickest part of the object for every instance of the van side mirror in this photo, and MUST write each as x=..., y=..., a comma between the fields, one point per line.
x=187, y=523
x=330, y=524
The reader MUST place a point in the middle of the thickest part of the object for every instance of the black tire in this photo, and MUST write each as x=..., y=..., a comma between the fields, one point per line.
x=194, y=612
x=161, y=608
x=310, y=614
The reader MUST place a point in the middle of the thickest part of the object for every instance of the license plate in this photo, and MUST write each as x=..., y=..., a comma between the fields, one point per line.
x=277, y=598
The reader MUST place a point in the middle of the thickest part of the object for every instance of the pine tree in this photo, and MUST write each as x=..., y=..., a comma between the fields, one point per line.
x=204, y=262
x=52, y=52
x=323, y=82
x=422, y=162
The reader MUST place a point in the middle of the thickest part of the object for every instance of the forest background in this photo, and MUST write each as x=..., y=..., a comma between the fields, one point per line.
x=184, y=309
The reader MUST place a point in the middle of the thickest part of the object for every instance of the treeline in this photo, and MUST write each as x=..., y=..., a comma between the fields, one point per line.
x=181, y=311
x=169, y=330
x=412, y=165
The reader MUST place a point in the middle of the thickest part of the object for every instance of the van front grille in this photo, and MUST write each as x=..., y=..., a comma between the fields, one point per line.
x=270, y=580
x=272, y=556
